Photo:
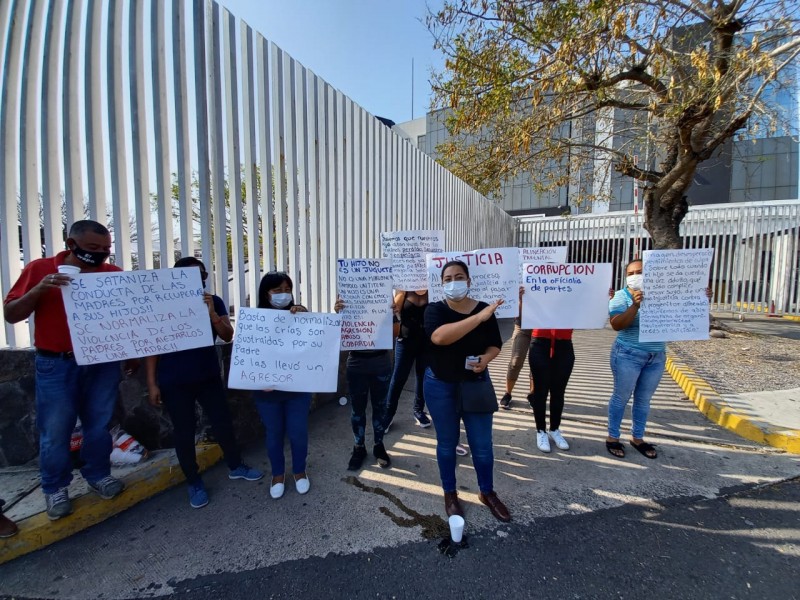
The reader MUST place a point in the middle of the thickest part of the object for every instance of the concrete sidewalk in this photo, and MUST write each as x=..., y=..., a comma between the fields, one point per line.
x=376, y=507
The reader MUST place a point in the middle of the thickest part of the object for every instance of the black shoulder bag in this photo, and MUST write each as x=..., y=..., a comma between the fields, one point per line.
x=476, y=396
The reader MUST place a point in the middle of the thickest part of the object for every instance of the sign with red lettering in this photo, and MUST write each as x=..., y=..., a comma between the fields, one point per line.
x=365, y=286
x=493, y=272
x=565, y=296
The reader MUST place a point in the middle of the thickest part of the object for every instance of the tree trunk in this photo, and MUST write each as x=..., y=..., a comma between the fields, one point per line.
x=663, y=215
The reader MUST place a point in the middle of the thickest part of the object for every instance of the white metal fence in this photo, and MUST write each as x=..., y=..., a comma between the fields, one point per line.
x=756, y=264
x=190, y=133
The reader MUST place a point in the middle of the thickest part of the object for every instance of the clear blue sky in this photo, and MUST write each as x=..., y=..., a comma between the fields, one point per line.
x=362, y=47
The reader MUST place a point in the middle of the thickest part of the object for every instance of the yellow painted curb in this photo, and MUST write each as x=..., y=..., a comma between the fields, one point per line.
x=713, y=406
x=38, y=531
x=761, y=309
x=794, y=318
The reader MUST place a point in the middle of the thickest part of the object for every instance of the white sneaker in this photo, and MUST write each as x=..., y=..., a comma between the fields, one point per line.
x=302, y=485
x=542, y=441
x=276, y=491
x=559, y=440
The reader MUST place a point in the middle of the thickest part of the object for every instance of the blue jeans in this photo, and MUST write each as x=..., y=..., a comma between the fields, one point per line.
x=408, y=352
x=635, y=372
x=285, y=414
x=179, y=401
x=368, y=379
x=441, y=397
x=64, y=392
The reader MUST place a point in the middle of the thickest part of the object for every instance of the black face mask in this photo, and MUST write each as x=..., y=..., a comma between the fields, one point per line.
x=90, y=258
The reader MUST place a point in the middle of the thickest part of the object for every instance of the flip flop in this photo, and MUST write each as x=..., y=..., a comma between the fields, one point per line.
x=612, y=446
x=644, y=448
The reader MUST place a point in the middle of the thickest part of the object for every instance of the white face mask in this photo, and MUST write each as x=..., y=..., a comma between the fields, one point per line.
x=634, y=281
x=281, y=300
x=456, y=290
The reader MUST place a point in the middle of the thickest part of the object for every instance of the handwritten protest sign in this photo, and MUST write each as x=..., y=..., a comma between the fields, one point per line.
x=543, y=254
x=675, y=306
x=129, y=314
x=276, y=350
x=365, y=285
x=565, y=296
x=408, y=249
x=494, y=274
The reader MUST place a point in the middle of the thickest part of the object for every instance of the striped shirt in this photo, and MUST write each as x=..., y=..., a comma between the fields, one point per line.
x=629, y=336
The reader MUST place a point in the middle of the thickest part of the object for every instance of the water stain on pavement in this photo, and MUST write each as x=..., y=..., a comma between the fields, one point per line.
x=433, y=526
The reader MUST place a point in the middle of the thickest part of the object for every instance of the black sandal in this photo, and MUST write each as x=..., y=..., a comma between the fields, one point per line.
x=644, y=448
x=615, y=449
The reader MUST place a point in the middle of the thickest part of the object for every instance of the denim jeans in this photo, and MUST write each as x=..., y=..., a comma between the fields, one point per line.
x=441, y=397
x=179, y=401
x=407, y=352
x=285, y=414
x=550, y=376
x=368, y=379
x=64, y=392
x=635, y=372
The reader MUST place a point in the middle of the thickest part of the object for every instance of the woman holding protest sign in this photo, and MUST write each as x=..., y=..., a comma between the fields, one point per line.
x=179, y=379
x=284, y=414
x=637, y=366
x=464, y=339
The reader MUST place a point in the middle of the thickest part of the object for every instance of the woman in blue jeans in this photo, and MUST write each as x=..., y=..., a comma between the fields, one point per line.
x=464, y=339
x=284, y=414
x=637, y=366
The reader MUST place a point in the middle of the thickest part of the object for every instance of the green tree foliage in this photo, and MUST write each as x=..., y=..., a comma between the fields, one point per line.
x=530, y=84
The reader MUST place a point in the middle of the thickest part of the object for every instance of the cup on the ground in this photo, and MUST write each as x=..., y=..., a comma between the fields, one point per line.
x=69, y=270
x=456, y=528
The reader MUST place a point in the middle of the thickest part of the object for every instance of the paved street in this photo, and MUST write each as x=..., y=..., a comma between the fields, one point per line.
x=585, y=524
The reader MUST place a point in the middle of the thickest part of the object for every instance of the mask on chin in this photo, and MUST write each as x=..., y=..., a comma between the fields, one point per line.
x=93, y=259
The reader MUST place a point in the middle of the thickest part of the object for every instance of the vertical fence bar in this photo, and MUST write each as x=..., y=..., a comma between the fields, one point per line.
x=201, y=125
x=292, y=196
x=253, y=265
x=265, y=157
x=161, y=124
x=186, y=204
x=52, y=132
x=303, y=177
x=73, y=169
x=315, y=260
x=116, y=139
x=93, y=122
x=232, y=147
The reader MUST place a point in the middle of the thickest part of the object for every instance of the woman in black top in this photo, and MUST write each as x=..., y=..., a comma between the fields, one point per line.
x=464, y=339
x=409, y=350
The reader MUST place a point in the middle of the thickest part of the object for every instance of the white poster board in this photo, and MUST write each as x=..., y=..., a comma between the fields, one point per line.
x=543, y=254
x=675, y=305
x=276, y=350
x=494, y=273
x=407, y=250
x=365, y=286
x=129, y=314
x=565, y=296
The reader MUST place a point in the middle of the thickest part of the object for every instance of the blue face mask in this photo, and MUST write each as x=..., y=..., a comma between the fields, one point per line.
x=456, y=290
x=280, y=300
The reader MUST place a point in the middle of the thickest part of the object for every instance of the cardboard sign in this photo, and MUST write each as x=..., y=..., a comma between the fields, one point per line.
x=565, y=296
x=407, y=250
x=276, y=350
x=494, y=274
x=675, y=306
x=543, y=254
x=130, y=314
x=365, y=286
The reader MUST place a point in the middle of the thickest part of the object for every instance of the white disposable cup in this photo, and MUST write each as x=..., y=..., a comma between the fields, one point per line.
x=456, y=528
x=69, y=270
x=343, y=401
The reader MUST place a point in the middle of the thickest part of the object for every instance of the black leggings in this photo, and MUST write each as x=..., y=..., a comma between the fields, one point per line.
x=550, y=375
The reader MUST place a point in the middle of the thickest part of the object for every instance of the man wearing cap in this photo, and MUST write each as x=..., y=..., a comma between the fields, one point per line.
x=64, y=389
